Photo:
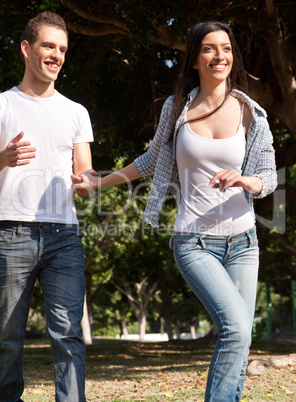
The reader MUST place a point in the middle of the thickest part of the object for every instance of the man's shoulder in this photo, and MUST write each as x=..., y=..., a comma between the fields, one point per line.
x=6, y=100
x=70, y=105
x=68, y=101
x=9, y=93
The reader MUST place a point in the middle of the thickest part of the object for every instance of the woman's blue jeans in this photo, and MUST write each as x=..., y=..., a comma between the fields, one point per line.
x=222, y=271
x=52, y=253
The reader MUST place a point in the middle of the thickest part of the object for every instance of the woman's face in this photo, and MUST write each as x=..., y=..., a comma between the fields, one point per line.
x=215, y=60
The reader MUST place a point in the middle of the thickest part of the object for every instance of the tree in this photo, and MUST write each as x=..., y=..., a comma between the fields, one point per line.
x=140, y=301
x=125, y=54
x=125, y=32
x=165, y=22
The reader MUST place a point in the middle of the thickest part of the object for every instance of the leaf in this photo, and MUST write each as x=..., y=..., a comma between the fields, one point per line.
x=99, y=357
x=169, y=394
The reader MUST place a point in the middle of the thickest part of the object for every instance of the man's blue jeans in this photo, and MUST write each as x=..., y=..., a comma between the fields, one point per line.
x=52, y=253
x=222, y=271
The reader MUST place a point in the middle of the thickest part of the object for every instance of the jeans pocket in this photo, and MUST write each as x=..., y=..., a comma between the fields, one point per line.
x=185, y=247
x=252, y=235
x=7, y=236
x=65, y=232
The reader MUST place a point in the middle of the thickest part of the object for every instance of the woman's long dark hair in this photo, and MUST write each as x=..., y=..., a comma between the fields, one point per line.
x=189, y=78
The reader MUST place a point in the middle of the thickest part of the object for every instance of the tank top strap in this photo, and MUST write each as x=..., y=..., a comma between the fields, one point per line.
x=242, y=113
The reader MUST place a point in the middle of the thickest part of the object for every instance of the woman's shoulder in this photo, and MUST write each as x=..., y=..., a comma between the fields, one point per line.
x=254, y=107
x=169, y=102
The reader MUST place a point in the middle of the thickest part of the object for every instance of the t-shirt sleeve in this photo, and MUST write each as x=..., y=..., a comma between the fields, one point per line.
x=84, y=129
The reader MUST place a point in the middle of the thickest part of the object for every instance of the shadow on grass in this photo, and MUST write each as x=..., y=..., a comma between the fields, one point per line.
x=112, y=359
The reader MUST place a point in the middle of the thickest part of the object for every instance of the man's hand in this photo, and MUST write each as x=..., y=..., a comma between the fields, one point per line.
x=17, y=153
x=85, y=182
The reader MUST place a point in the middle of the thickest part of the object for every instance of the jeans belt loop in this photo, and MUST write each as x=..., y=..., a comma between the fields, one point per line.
x=18, y=230
x=202, y=242
x=250, y=238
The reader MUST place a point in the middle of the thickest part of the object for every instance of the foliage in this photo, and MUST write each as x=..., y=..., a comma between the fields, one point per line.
x=123, y=60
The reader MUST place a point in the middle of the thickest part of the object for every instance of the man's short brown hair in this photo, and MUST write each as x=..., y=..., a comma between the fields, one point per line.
x=46, y=18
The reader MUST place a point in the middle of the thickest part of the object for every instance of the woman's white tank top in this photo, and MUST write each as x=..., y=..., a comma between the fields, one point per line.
x=204, y=209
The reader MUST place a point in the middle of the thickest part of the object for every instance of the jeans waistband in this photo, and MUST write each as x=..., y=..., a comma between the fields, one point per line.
x=250, y=234
x=23, y=226
x=35, y=224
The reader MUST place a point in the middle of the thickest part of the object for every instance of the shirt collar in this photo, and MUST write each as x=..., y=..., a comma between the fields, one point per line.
x=254, y=107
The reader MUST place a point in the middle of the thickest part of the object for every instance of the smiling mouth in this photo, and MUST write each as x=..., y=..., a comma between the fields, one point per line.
x=218, y=67
x=52, y=65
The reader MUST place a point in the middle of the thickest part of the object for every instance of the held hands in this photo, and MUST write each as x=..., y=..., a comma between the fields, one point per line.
x=17, y=153
x=85, y=182
x=230, y=178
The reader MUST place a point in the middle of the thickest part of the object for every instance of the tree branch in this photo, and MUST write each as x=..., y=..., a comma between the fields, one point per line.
x=96, y=18
x=162, y=36
x=261, y=93
x=284, y=243
x=269, y=7
x=275, y=40
x=99, y=30
x=150, y=292
x=128, y=293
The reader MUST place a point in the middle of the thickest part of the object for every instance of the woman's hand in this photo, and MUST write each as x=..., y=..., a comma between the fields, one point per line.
x=230, y=178
x=85, y=182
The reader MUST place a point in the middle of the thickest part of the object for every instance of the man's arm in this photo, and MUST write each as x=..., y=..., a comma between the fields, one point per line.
x=81, y=161
x=17, y=153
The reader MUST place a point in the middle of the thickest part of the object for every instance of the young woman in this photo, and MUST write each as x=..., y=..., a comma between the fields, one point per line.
x=214, y=146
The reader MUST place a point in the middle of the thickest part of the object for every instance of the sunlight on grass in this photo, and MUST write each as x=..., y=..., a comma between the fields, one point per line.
x=119, y=371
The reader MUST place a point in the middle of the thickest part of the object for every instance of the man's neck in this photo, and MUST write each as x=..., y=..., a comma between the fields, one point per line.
x=38, y=90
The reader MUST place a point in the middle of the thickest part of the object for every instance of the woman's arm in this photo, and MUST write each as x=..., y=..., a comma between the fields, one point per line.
x=266, y=168
x=88, y=180
x=142, y=166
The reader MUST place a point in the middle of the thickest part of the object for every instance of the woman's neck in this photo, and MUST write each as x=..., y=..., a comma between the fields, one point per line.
x=209, y=94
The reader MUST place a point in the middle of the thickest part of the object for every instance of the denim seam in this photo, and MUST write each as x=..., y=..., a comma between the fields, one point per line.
x=213, y=369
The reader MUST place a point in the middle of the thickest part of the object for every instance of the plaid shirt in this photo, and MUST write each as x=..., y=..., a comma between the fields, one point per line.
x=160, y=158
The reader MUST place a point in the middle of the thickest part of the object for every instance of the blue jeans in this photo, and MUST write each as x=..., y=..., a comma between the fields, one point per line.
x=222, y=271
x=52, y=253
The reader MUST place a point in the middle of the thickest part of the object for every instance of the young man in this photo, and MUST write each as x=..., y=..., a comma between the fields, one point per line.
x=39, y=236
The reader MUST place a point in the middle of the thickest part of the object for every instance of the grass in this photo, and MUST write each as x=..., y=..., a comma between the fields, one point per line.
x=119, y=371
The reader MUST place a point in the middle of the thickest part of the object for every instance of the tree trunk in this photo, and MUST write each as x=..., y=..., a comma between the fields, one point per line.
x=123, y=327
x=192, y=331
x=212, y=335
x=166, y=315
x=168, y=327
x=142, y=326
x=85, y=325
x=140, y=303
x=177, y=328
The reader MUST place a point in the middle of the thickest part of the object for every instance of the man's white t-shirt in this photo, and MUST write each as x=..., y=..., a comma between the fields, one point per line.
x=41, y=191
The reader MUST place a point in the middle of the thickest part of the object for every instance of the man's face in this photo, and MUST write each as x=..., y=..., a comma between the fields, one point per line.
x=45, y=58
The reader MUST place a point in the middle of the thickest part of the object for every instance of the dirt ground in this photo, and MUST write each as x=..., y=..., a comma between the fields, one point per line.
x=161, y=371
